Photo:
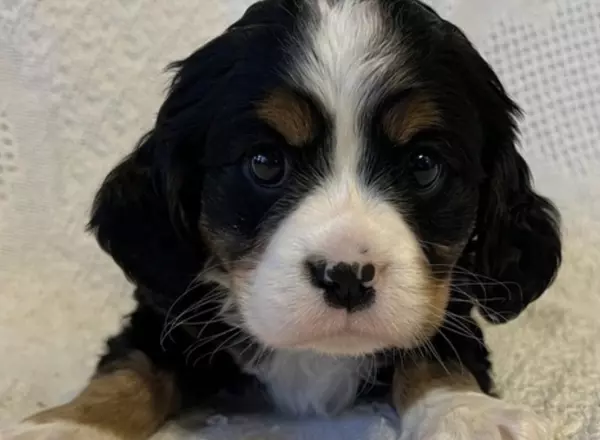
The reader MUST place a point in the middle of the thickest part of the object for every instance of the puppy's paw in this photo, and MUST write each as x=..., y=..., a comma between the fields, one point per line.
x=58, y=430
x=472, y=416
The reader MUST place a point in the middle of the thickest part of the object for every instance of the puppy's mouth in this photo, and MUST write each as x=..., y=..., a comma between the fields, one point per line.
x=338, y=332
x=347, y=343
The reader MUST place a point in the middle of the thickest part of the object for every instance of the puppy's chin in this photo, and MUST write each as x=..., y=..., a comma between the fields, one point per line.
x=335, y=332
x=344, y=345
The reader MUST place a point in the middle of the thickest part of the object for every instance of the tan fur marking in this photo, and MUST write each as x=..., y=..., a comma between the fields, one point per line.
x=412, y=382
x=438, y=296
x=290, y=116
x=131, y=401
x=446, y=252
x=217, y=240
x=409, y=117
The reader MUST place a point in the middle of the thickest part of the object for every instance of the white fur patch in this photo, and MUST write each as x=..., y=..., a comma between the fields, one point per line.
x=347, y=64
x=59, y=430
x=347, y=56
x=447, y=415
x=310, y=383
x=342, y=61
x=346, y=59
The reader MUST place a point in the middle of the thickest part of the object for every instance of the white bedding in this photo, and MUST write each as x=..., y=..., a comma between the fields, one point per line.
x=80, y=80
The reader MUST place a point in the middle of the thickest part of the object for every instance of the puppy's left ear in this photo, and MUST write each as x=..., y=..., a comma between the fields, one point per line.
x=516, y=247
x=517, y=242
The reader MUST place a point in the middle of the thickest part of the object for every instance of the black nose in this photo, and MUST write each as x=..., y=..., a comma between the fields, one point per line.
x=344, y=283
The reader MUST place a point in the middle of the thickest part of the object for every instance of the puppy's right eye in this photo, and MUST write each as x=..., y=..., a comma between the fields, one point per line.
x=268, y=167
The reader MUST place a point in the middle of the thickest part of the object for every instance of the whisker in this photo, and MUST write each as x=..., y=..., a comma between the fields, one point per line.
x=169, y=326
x=202, y=342
x=459, y=360
x=198, y=279
x=434, y=352
x=452, y=323
x=469, y=335
x=479, y=277
x=455, y=320
x=248, y=347
x=223, y=346
x=475, y=301
x=190, y=319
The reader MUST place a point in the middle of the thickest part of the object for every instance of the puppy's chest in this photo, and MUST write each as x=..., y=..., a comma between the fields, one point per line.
x=306, y=383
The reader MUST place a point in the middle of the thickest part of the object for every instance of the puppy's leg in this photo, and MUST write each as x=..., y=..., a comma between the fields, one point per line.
x=128, y=399
x=445, y=402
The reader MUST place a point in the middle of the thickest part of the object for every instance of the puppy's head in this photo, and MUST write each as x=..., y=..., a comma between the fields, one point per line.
x=335, y=164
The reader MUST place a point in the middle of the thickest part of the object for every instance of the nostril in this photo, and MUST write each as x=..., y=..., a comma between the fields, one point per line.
x=367, y=273
x=317, y=271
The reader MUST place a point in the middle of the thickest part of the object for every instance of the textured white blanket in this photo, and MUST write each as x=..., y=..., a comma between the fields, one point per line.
x=80, y=80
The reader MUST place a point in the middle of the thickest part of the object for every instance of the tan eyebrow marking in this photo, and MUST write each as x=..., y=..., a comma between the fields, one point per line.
x=289, y=115
x=407, y=118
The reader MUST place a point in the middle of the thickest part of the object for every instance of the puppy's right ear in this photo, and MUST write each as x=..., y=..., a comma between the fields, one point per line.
x=146, y=212
x=133, y=222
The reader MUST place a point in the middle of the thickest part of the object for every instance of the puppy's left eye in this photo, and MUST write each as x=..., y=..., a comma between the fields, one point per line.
x=426, y=170
x=268, y=167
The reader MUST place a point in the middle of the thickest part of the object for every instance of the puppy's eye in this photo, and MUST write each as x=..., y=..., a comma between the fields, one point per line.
x=268, y=167
x=426, y=170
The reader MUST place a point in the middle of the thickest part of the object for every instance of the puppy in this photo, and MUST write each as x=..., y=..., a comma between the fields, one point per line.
x=329, y=191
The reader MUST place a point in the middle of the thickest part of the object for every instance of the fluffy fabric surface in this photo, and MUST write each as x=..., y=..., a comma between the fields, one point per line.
x=80, y=82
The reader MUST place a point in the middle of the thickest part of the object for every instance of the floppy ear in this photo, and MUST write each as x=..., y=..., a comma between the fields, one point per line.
x=146, y=212
x=516, y=247
x=518, y=239
x=134, y=222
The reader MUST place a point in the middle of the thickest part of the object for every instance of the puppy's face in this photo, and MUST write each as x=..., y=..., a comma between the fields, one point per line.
x=340, y=195
x=327, y=162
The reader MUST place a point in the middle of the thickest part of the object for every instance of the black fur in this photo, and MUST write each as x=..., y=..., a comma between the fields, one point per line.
x=146, y=214
x=517, y=239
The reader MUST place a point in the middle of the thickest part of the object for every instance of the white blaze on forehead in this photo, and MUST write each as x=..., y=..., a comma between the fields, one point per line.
x=345, y=61
x=347, y=49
